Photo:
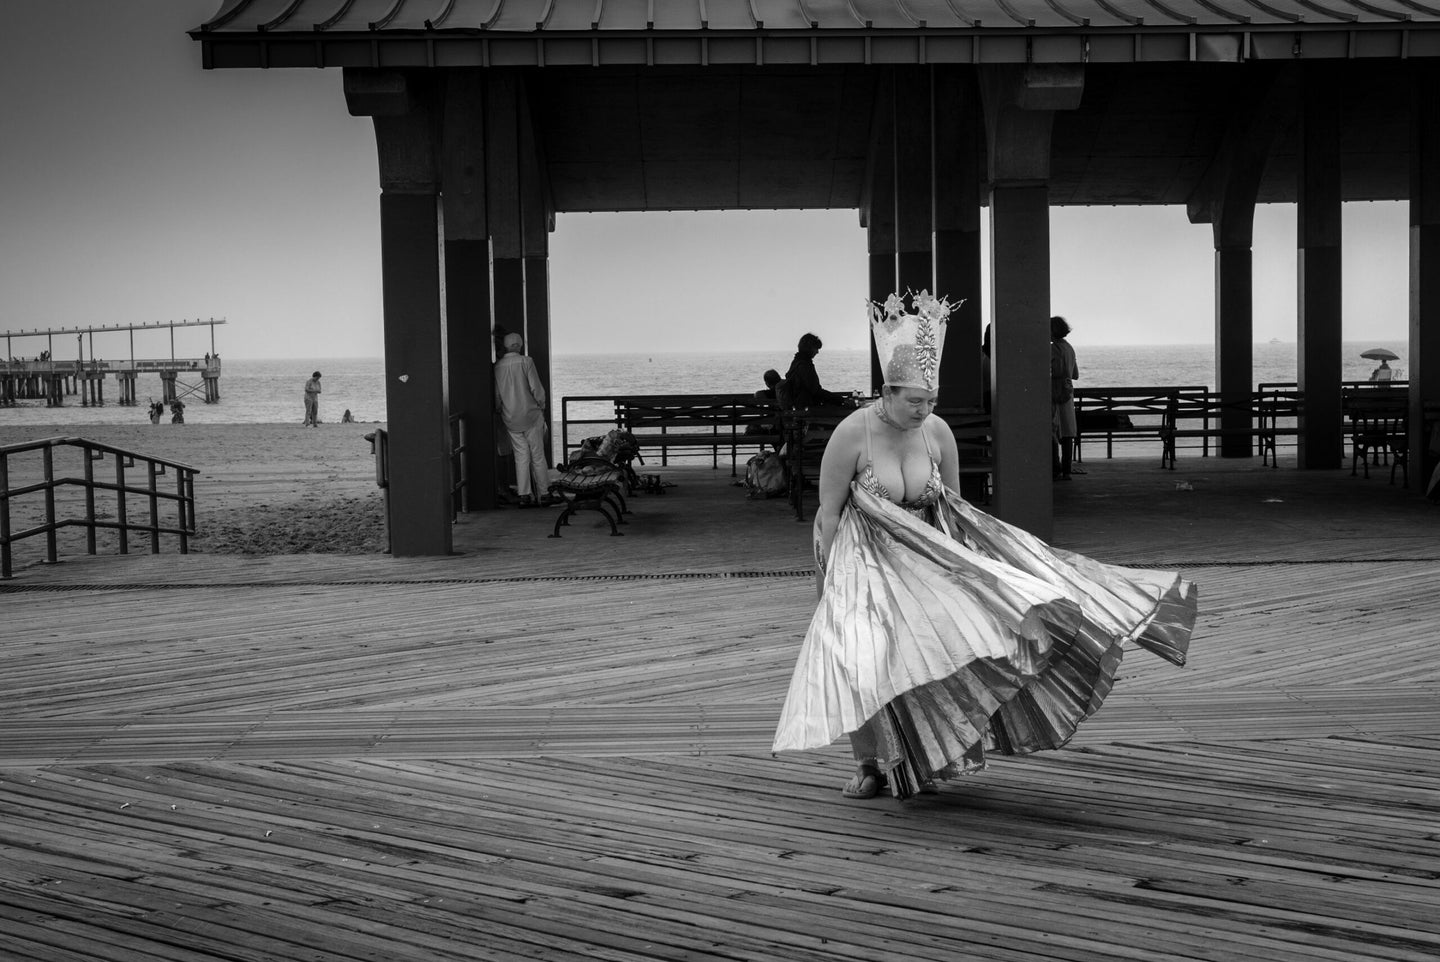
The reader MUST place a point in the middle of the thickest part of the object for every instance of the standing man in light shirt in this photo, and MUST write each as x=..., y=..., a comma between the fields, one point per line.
x=312, y=401
x=521, y=399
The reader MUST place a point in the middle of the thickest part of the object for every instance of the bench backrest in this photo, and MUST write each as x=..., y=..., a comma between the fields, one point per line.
x=1375, y=402
x=683, y=411
x=1150, y=404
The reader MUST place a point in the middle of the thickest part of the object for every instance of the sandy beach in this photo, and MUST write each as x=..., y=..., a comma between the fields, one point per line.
x=262, y=488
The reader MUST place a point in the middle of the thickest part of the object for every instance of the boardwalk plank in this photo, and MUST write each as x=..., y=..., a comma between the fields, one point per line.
x=560, y=750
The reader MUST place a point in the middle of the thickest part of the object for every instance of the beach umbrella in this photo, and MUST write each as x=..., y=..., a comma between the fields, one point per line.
x=1380, y=354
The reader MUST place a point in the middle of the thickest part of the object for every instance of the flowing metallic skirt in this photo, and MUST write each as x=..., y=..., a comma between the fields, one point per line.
x=944, y=636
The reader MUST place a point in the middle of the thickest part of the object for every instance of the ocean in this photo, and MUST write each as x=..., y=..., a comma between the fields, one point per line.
x=270, y=391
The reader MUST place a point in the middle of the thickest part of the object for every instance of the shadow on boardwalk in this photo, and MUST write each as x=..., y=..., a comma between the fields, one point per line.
x=556, y=749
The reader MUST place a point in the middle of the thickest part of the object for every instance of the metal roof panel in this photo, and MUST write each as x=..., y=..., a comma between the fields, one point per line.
x=414, y=14
x=466, y=14
x=1027, y=13
x=783, y=14
x=729, y=14
x=885, y=14
x=517, y=15
x=1098, y=13
x=834, y=14
x=624, y=15
x=355, y=15
x=278, y=18
x=936, y=13
x=677, y=15
x=571, y=15
x=246, y=15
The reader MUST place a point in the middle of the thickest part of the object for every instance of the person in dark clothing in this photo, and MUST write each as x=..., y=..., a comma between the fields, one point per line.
x=772, y=378
x=803, y=381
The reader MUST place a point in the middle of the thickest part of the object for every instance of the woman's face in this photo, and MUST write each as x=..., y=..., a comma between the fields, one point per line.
x=910, y=406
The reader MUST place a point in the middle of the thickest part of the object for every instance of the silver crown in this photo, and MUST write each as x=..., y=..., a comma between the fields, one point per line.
x=909, y=342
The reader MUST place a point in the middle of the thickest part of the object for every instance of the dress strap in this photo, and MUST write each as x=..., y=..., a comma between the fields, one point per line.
x=926, y=437
x=869, y=457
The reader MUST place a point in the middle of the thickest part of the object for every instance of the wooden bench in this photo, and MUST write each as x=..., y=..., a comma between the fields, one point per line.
x=1268, y=416
x=699, y=424
x=808, y=431
x=1379, y=424
x=1124, y=413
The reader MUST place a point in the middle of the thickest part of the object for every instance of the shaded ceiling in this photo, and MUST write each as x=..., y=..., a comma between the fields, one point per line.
x=663, y=138
x=715, y=104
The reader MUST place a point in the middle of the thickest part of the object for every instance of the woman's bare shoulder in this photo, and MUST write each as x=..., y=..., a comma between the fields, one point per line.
x=848, y=434
x=939, y=431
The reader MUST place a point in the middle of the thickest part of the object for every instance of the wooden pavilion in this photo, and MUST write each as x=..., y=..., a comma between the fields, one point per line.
x=493, y=115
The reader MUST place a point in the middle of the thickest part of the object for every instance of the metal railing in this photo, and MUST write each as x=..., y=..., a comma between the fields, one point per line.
x=459, y=473
x=47, y=483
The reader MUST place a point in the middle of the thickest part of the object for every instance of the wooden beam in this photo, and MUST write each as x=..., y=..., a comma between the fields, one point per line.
x=467, y=280
x=1019, y=105
x=1424, y=265
x=419, y=495
x=1321, y=441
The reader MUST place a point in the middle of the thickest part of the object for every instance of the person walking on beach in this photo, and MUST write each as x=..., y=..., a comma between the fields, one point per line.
x=312, y=400
x=520, y=397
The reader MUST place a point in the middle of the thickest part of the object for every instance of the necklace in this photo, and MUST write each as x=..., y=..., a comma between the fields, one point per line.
x=887, y=419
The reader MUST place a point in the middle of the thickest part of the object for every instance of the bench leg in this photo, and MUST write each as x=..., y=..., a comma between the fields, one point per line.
x=562, y=519
x=617, y=506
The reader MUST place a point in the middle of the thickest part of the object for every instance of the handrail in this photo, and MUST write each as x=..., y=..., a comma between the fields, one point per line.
x=92, y=451
x=459, y=474
x=380, y=447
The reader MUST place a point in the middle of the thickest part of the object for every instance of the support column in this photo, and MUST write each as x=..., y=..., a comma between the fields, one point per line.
x=469, y=359
x=1424, y=361
x=1019, y=109
x=1318, y=220
x=1234, y=338
x=502, y=194
x=536, y=221
x=879, y=214
x=419, y=496
x=956, y=118
x=914, y=252
x=502, y=216
x=1225, y=199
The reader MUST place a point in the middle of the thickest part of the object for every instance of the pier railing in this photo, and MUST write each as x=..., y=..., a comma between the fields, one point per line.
x=28, y=471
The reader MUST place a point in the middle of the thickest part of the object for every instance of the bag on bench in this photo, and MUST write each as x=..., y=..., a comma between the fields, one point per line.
x=765, y=476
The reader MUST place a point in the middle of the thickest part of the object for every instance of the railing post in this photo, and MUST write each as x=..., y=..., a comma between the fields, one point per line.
x=120, y=515
x=154, y=510
x=4, y=515
x=183, y=511
x=89, y=500
x=52, y=553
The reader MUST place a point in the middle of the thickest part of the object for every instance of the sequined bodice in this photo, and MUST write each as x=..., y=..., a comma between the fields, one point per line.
x=934, y=488
x=934, y=485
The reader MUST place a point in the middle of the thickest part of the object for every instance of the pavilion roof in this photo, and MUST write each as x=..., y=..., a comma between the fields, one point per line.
x=248, y=33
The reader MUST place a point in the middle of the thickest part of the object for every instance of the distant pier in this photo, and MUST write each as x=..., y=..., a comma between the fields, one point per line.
x=41, y=376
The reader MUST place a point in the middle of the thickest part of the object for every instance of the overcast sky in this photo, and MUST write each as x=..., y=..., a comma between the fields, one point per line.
x=136, y=187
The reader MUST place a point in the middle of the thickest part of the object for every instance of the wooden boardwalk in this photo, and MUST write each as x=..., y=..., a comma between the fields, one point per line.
x=559, y=749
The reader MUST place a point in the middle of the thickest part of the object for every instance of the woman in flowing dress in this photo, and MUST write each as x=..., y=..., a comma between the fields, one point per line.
x=942, y=633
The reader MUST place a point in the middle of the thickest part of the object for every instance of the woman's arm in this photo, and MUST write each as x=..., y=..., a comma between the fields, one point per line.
x=838, y=467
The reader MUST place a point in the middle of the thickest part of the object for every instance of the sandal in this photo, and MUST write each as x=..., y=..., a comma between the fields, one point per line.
x=863, y=785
